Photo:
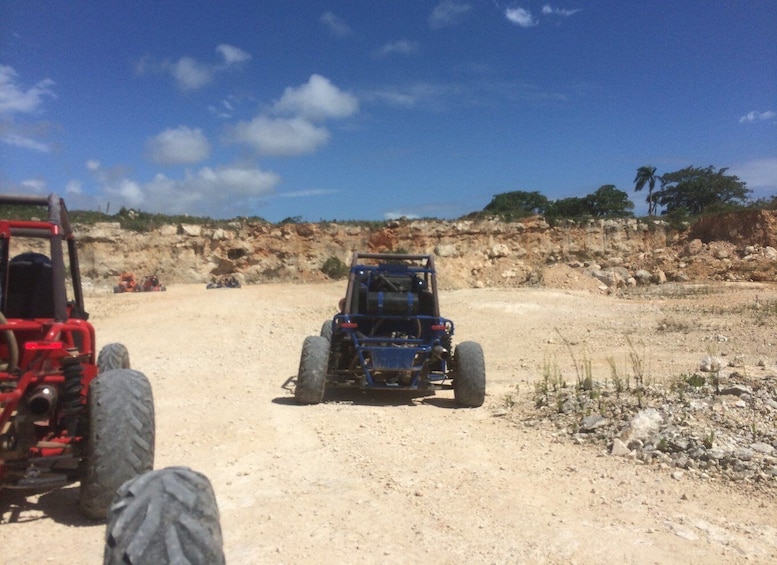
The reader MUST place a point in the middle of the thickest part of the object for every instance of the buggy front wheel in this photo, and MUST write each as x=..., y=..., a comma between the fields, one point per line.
x=327, y=329
x=469, y=375
x=311, y=377
x=113, y=356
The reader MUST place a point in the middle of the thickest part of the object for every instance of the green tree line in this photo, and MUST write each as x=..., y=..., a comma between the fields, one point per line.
x=678, y=195
x=689, y=192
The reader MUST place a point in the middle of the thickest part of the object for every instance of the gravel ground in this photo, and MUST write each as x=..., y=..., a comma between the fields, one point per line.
x=392, y=478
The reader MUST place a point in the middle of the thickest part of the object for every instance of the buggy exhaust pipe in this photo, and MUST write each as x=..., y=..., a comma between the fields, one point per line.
x=439, y=352
x=42, y=400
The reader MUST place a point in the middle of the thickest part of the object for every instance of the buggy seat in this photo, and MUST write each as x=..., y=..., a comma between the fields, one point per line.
x=30, y=287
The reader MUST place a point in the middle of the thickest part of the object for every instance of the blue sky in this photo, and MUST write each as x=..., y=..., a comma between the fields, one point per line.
x=338, y=110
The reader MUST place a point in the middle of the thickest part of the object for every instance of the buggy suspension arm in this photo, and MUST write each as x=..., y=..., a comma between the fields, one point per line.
x=13, y=345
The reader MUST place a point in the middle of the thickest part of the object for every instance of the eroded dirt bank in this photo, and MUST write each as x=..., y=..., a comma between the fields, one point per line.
x=471, y=253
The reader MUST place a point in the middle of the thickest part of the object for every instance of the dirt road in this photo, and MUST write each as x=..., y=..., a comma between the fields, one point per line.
x=387, y=478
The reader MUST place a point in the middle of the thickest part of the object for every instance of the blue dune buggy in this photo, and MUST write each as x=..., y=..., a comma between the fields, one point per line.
x=389, y=335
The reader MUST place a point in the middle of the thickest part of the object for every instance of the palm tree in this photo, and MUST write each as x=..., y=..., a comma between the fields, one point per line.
x=647, y=176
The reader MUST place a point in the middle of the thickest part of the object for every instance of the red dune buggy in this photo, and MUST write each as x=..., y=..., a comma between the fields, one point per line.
x=66, y=413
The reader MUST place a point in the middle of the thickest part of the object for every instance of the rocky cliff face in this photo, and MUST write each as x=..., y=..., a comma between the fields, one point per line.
x=606, y=253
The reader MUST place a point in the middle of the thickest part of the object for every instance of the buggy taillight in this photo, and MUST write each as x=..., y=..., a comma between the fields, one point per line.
x=43, y=345
x=349, y=325
x=438, y=328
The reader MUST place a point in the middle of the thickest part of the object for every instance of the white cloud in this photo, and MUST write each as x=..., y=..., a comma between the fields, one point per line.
x=130, y=191
x=440, y=97
x=295, y=132
x=110, y=176
x=448, y=13
x=308, y=192
x=521, y=17
x=394, y=97
x=548, y=10
x=73, y=187
x=219, y=113
x=335, y=25
x=399, y=215
x=280, y=136
x=232, y=55
x=24, y=142
x=14, y=98
x=758, y=173
x=235, y=181
x=754, y=116
x=223, y=110
x=209, y=191
x=317, y=99
x=401, y=47
x=178, y=146
x=145, y=65
x=37, y=186
x=190, y=74
x=440, y=208
x=434, y=96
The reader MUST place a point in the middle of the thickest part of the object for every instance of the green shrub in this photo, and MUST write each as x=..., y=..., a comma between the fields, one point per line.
x=334, y=268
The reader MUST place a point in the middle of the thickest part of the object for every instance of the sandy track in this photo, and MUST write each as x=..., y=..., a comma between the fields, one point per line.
x=392, y=478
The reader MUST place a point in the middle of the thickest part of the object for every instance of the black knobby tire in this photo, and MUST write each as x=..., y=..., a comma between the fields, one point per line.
x=164, y=516
x=113, y=356
x=311, y=377
x=469, y=375
x=327, y=329
x=120, y=442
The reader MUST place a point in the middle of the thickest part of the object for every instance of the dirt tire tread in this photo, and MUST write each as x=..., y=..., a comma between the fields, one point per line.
x=120, y=443
x=164, y=516
x=311, y=377
x=113, y=356
x=469, y=381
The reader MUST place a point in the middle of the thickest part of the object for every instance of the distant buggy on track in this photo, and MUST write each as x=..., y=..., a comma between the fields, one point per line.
x=389, y=334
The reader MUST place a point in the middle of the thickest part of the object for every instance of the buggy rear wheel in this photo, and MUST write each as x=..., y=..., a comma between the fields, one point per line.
x=164, y=516
x=469, y=375
x=120, y=442
x=311, y=377
x=113, y=356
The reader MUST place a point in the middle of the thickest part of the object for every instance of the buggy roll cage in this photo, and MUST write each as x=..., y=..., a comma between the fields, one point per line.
x=424, y=270
x=58, y=231
x=391, y=318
